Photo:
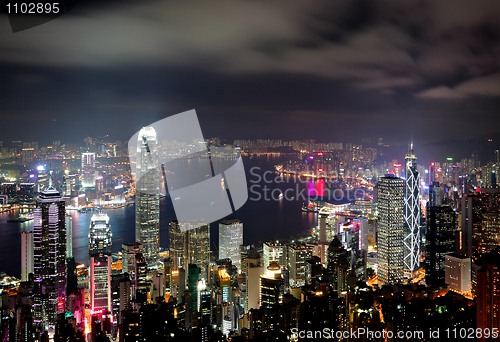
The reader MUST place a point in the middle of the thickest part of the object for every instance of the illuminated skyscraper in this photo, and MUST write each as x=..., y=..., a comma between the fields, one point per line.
x=147, y=195
x=271, y=286
x=49, y=237
x=274, y=250
x=88, y=170
x=298, y=255
x=100, y=263
x=191, y=246
x=440, y=241
x=338, y=264
x=390, y=229
x=26, y=255
x=412, y=213
x=230, y=240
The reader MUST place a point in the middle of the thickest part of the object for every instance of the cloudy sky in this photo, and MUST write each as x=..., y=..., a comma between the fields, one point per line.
x=330, y=71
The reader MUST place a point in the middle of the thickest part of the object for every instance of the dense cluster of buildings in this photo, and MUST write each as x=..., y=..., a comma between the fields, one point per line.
x=419, y=255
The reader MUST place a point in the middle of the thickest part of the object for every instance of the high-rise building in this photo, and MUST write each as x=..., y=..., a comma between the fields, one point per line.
x=457, y=274
x=190, y=246
x=128, y=257
x=147, y=195
x=440, y=240
x=49, y=238
x=100, y=243
x=271, y=286
x=88, y=170
x=411, y=239
x=338, y=264
x=69, y=236
x=390, y=229
x=27, y=251
x=298, y=255
x=274, y=250
x=177, y=244
x=230, y=239
x=488, y=292
x=120, y=291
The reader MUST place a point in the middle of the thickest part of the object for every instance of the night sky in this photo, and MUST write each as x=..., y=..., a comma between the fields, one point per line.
x=329, y=71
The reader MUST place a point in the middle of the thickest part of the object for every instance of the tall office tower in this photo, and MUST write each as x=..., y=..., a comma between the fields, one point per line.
x=120, y=291
x=129, y=251
x=147, y=195
x=480, y=222
x=140, y=281
x=440, y=240
x=271, y=286
x=230, y=239
x=198, y=248
x=489, y=236
x=191, y=246
x=338, y=264
x=225, y=285
x=88, y=170
x=390, y=229
x=49, y=237
x=488, y=292
x=435, y=195
x=100, y=243
x=193, y=278
x=27, y=251
x=470, y=209
x=168, y=268
x=274, y=250
x=323, y=245
x=176, y=245
x=252, y=269
x=69, y=236
x=298, y=255
x=457, y=273
x=412, y=213
x=204, y=303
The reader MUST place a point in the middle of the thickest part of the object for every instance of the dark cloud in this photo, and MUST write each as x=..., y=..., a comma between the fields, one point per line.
x=291, y=70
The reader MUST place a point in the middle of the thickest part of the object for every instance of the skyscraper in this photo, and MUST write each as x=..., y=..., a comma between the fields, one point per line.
x=176, y=239
x=147, y=195
x=100, y=263
x=88, y=170
x=128, y=257
x=298, y=255
x=338, y=264
x=411, y=213
x=274, y=250
x=390, y=229
x=271, y=286
x=49, y=237
x=26, y=255
x=488, y=292
x=191, y=246
x=230, y=239
x=440, y=240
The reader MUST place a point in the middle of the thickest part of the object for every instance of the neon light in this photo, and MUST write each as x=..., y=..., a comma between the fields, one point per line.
x=396, y=164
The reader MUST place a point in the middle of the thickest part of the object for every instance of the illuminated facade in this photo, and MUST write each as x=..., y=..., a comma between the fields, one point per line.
x=88, y=170
x=230, y=240
x=190, y=246
x=274, y=250
x=412, y=213
x=390, y=229
x=298, y=255
x=147, y=196
x=100, y=263
x=26, y=255
x=271, y=286
x=49, y=257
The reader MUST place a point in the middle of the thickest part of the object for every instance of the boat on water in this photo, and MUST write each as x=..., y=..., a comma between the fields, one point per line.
x=20, y=219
